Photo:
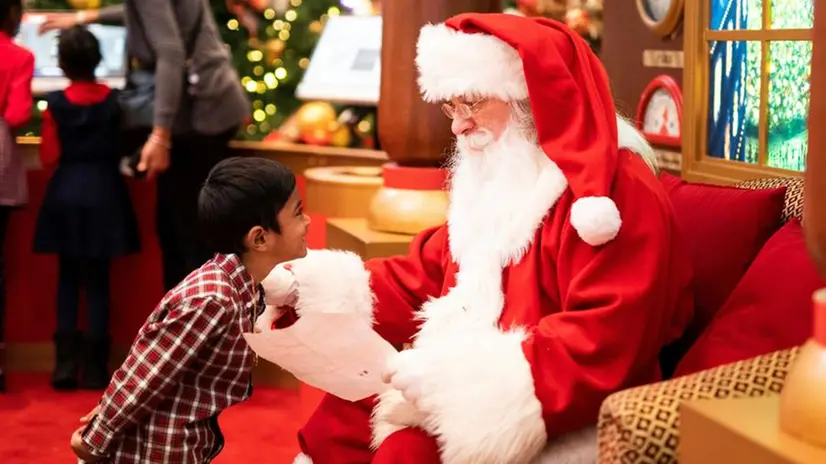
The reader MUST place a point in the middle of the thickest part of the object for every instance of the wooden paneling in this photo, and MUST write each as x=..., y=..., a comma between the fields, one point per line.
x=625, y=41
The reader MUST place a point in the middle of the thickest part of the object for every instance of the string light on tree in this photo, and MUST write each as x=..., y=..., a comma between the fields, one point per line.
x=272, y=52
x=270, y=43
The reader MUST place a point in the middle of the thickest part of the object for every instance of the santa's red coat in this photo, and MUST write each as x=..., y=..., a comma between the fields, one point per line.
x=534, y=328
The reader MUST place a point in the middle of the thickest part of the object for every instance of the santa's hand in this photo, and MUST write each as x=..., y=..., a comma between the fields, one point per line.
x=280, y=287
x=406, y=373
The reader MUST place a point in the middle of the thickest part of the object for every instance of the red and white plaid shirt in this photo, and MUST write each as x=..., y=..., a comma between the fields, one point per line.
x=188, y=363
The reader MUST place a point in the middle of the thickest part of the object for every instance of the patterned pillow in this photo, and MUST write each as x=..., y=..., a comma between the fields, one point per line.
x=641, y=425
x=794, y=193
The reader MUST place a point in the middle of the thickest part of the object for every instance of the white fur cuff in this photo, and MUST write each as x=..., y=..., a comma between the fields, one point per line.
x=480, y=398
x=332, y=281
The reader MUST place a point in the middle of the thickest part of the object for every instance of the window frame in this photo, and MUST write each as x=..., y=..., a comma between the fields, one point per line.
x=698, y=166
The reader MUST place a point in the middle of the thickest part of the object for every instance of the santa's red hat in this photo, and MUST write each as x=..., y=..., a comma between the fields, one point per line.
x=513, y=58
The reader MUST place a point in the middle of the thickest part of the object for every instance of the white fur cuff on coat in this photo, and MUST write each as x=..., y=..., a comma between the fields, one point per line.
x=302, y=459
x=480, y=398
x=453, y=64
x=333, y=281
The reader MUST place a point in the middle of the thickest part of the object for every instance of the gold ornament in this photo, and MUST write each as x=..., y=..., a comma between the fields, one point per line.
x=546, y=8
x=84, y=4
x=316, y=27
x=314, y=120
x=341, y=137
x=578, y=20
x=273, y=49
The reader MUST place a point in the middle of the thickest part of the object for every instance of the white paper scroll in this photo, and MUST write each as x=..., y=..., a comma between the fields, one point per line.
x=337, y=353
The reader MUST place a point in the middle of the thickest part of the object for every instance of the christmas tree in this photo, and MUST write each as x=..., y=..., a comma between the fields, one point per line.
x=271, y=43
x=583, y=16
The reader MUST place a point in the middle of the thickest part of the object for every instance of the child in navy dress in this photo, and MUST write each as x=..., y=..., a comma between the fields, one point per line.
x=86, y=217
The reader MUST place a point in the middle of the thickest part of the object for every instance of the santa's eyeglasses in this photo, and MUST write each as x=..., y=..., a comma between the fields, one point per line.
x=462, y=110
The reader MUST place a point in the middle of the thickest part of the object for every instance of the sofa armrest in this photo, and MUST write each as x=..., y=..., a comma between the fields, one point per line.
x=640, y=425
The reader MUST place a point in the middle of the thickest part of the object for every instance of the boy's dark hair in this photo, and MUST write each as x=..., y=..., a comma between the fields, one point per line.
x=78, y=51
x=6, y=7
x=239, y=194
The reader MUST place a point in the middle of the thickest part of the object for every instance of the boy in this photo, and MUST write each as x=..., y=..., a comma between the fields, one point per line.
x=189, y=361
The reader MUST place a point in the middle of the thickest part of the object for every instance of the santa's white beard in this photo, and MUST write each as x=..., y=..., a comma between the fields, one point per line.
x=489, y=186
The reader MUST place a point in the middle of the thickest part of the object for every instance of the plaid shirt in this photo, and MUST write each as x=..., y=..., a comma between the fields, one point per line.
x=188, y=363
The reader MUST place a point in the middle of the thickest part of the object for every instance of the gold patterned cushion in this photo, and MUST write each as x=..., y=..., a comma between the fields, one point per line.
x=640, y=425
x=794, y=193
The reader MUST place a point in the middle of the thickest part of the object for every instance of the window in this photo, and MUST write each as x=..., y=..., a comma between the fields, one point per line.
x=746, y=88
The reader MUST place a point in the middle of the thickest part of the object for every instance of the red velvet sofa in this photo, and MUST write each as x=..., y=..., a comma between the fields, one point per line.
x=753, y=282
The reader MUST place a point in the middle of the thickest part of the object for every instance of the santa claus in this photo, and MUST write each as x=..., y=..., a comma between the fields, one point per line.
x=556, y=281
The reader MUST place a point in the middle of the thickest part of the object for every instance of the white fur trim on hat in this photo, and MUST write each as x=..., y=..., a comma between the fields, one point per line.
x=454, y=64
x=302, y=459
x=596, y=219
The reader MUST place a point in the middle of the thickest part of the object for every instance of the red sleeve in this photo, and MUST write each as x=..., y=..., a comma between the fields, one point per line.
x=49, y=141
x=402, y=284
x=621, y=303
x=19, y=108
x=152, y=369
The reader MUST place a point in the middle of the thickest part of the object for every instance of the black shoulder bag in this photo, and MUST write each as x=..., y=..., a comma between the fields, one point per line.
x=137, y=99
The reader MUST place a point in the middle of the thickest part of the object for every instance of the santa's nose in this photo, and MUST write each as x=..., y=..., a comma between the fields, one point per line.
x=462, y=126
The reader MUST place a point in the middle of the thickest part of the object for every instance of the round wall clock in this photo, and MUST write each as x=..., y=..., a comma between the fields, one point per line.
x=661, y=16
x=660, y=112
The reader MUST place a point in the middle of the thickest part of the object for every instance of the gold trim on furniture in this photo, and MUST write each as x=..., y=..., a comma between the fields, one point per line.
x=666, y=26
x=641, y=425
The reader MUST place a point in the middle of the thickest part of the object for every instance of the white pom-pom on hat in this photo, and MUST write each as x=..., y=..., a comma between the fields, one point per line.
x=596, y=219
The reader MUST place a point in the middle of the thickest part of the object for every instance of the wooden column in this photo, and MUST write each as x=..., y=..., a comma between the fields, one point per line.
x=415, y=135
x=814, y=211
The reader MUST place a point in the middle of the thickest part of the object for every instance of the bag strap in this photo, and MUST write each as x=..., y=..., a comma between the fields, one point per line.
x=189, y=42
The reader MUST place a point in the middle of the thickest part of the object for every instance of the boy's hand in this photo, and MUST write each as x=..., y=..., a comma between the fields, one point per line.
x=90, y=415
x=80, y=448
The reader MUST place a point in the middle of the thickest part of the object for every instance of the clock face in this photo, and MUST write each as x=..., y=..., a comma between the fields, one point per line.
x=657, y=9
x=661, y=115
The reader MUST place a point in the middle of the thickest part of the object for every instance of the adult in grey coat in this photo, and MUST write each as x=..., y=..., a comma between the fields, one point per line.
x=199, y=106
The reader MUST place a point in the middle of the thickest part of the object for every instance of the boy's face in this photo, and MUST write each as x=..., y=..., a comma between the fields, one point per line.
x=291, y=243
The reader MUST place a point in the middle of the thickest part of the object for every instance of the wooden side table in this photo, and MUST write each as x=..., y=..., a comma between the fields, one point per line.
x=743, y=430
x=355, y=235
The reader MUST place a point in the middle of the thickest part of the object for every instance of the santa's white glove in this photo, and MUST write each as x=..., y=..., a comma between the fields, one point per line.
x=265, y=321
x=280, y=287
x=406, y=372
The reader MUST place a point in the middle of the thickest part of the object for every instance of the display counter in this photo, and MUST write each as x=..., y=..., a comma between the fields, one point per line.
x=297, y=157
x=31, y=279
